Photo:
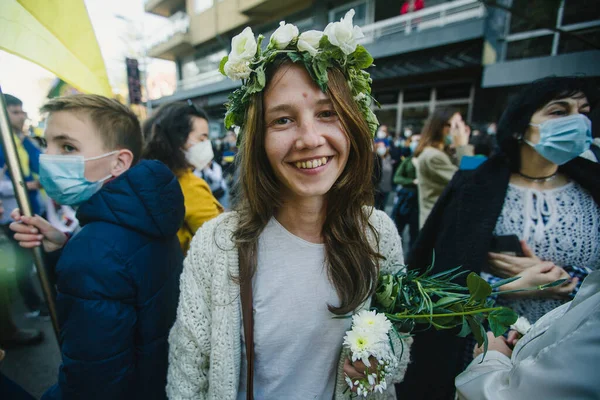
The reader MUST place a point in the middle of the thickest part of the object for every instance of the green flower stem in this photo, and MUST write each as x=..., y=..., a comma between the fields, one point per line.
x=483, y=310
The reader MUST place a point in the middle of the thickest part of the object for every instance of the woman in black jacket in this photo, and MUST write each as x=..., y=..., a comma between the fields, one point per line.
x=536, y=188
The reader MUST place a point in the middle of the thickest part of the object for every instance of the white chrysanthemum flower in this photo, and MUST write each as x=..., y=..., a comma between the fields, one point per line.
x=343, y=34
x=371, y=321
x=349, y=382
x=522, y=325
x=309, y=41
x=283, y=35
x=237, y=69
x=360, y=344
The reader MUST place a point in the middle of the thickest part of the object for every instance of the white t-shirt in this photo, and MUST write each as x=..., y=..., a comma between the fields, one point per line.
x=297, y=342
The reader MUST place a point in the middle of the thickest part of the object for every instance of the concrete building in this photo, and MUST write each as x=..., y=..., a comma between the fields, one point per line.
x=458, y=53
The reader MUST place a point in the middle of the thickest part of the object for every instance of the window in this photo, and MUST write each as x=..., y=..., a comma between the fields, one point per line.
x=454, y=91
x=387, y=117
x=570, y=44
x=533, y=14
x=417, y=94
x=365, y=12
x=576, y=11
x=533, y=47
x=202, y=5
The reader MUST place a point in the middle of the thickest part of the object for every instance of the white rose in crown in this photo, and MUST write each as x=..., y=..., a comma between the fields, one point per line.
x=243, y=50
x=309, y=41
x=283, y=36
x=343, y=34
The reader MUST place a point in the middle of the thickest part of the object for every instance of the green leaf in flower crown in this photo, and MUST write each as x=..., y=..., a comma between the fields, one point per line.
x=222, y=65
x=229, y=120
x=478, y=287
x=361, y=58
x=294, y=56
x=501, y=320
x=260, y=77
x=320, y=69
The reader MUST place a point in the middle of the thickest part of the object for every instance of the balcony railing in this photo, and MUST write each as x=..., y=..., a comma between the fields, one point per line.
x=178, y=23
x=427, y=18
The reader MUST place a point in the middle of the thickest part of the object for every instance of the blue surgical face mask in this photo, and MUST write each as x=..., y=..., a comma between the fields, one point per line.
x=448, y=140
x=563, y=139
x=63, y=178
x=413, y=146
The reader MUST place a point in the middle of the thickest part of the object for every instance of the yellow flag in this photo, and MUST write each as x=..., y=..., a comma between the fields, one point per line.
x=58, y=36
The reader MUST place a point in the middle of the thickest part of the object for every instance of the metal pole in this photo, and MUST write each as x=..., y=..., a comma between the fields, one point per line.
x=16, y=175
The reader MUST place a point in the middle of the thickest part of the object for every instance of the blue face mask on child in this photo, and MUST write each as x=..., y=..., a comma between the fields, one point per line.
x=63, y=178
x=563, y=139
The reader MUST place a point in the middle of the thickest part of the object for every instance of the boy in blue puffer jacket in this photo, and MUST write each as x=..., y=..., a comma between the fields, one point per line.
x=118, y=277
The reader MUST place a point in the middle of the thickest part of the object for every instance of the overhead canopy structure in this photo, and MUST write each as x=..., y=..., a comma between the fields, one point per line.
x=58, y=36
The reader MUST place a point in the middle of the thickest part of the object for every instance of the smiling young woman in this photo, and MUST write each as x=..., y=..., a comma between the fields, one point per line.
x=303, y=245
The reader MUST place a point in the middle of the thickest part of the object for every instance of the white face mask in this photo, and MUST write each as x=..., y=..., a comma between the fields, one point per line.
x=381, y=151
x=381, y=134
x=200, y=154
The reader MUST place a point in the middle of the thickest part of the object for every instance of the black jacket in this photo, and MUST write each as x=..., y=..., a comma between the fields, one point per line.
x=460, y=229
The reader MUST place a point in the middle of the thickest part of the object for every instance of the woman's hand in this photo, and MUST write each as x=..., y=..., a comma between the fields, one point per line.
x=506, y=266
x=499, y=343
x=357, y=369
x=34, y=231
x=542, y=274
x=458, y=130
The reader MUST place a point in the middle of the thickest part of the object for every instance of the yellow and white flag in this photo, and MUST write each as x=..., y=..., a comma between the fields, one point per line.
x=58, y=36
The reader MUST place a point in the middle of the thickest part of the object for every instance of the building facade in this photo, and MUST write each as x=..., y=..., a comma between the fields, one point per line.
x=465, y=54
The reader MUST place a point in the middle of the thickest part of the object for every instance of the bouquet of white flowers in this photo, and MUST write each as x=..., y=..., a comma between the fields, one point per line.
x=369, y=342
x=407, y=299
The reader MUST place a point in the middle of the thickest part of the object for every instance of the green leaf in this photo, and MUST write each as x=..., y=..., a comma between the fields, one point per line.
x=478, y=287
x=260, y=77
x=295, y=57
x=229, y=120
x=361, y=58
x=477, y=329
x=222, y=64
x=552, y=284
x=505, y=281
x=500, y=320
x=447, y=300
x=465, y=330
x=384, y=294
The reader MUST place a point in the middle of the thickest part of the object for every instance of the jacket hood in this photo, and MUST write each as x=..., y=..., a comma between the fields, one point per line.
x=147, y=198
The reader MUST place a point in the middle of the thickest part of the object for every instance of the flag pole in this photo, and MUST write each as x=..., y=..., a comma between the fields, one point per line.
x=16, y=175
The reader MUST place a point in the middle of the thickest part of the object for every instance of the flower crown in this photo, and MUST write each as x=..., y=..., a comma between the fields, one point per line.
x=318, y=51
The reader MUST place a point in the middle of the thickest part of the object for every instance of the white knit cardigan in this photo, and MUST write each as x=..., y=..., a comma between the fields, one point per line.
x=205, y=342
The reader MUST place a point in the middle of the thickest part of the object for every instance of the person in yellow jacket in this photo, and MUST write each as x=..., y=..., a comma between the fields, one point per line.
x=178, y=137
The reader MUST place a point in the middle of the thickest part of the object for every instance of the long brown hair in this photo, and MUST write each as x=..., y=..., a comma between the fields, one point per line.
x=433, y=131
x=352, y=261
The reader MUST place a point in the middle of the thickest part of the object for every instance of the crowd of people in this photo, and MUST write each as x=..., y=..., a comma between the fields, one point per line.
x=189, y=268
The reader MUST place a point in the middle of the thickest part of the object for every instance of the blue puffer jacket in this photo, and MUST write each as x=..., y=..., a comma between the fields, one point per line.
x=118, y=287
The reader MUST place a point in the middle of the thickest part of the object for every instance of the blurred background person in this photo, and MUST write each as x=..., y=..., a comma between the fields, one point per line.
x=412, y=6
x=179, y=139
x=383, y=135
x=444, y=131
x=384, y=186
x=29, y=154
x=531, y=211
x=406, y=203
x=213, y=175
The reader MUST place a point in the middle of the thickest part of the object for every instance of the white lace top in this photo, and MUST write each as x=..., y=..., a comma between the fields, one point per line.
x=561, y=225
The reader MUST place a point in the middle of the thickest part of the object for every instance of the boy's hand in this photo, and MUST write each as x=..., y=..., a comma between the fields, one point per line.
x=31, y=232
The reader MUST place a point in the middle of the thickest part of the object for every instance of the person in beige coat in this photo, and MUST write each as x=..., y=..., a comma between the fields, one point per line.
x=444, y=133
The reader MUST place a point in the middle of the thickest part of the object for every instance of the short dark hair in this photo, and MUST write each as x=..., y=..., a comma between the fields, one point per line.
x=168, y=131
x=116, y=123
x=12, y=100
x=516, y=117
